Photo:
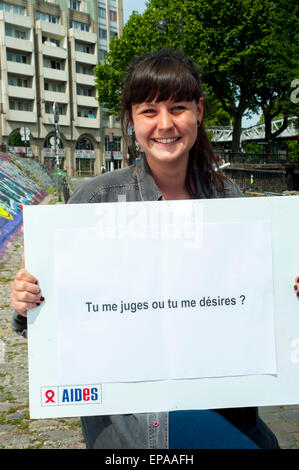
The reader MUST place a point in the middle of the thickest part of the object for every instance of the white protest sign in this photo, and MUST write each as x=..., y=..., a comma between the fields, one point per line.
x=156, y=305
x=162, y=305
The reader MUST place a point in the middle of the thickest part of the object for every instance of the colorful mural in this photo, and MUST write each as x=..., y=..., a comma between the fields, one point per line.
x=21, y=182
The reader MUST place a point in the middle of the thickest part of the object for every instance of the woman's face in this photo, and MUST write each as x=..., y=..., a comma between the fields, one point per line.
x=166, y=130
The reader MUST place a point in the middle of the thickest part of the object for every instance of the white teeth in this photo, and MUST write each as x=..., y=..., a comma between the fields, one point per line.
x=166, y=141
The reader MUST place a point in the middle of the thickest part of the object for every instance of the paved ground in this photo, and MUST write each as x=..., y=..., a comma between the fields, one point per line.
x=17, y=431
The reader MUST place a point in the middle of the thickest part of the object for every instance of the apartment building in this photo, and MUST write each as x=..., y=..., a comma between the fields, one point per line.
x=48, y=51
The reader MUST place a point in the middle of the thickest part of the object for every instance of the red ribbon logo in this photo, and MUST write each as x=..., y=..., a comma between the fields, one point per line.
x=50, y=395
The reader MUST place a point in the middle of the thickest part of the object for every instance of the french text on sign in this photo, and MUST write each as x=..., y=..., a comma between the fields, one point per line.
x=71, y=395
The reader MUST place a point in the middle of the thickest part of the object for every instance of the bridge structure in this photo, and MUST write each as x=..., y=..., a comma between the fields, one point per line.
x=255, y=133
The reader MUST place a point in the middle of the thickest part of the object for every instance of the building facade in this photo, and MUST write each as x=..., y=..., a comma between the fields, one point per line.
x=48, y=51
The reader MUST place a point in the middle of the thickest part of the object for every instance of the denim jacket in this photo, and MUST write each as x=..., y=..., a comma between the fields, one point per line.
x=147, y=430
x=135, y=183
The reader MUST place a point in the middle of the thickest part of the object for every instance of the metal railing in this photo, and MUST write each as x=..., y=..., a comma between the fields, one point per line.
x=258, y=158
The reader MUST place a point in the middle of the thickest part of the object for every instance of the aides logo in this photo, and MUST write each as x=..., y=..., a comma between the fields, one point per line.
x=71, y=395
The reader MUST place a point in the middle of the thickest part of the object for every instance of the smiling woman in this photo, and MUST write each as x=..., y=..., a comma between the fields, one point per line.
x=163, y=102
x=166, y=131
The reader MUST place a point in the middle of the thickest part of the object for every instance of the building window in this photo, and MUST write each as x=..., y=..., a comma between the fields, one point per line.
x=84, y=144
x=15, y=33
x=52, y=64
x=112, y=15
x=81, y=47
x=49, y=109
x=101, y=12
x=51, y=39
x=17, y=81
x=48, y=18
x=102, y=33
x=54, y=86
x=113, y=143
x=75, y=5
x=84, y=91
x=12, y=9
x=84, y=69
x=105, y=119
x=87, y=113
x=82, y=26
x=15, y=57
x=113, y=34
x=20, y=105
x=102, y=53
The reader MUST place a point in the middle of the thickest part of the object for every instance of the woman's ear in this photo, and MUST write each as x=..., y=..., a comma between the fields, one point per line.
x=200, y=109
x=130, y=120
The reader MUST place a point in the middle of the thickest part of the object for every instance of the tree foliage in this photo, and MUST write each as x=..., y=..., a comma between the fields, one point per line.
x=246, y=50
x=277, y=68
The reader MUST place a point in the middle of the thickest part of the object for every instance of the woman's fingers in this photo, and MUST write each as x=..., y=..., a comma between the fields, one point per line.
x=296, y=285
x=22, y=307
x=24, y=275
x=24, y=286
x=25, y=292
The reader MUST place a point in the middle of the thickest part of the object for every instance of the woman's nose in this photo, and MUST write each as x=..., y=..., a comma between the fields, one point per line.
x=165, y=120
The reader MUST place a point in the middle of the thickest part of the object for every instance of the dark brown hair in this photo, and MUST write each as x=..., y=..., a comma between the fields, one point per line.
x=159, y=76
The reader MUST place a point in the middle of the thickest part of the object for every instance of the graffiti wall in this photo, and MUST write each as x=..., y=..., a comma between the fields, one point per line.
x=21, y=182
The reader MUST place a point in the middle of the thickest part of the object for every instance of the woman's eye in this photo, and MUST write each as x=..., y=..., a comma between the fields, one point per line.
x=148, y=111
x=178, y=109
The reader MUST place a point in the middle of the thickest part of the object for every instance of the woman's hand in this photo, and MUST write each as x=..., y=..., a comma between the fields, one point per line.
x=25, y=292
x=296, y=285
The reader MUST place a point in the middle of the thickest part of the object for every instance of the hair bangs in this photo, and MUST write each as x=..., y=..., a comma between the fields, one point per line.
x=163, y=80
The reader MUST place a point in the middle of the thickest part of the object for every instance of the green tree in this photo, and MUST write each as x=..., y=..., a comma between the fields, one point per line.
x=278, y=66
x=229, y=39
x=140, y=35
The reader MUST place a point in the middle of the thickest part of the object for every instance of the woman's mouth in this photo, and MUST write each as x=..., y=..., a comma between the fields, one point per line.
x=169, y=140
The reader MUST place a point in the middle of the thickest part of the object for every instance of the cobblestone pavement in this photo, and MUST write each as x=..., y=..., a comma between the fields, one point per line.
x=17, y=431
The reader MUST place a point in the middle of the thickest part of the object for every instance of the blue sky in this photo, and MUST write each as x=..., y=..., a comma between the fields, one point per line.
x=132, y=5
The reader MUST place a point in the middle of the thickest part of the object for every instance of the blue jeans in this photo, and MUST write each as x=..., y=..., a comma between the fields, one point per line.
x=205, y=429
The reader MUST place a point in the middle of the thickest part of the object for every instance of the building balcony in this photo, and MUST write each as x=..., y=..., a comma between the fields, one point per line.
x=64, y=119
x=88, y=123
x=17, y=20
x=19, y=44
x=51, y=50
x=85, y=58
x=21, y=116
x=83, y=79
x=20, y=69
x=52, y=28
x=83, y=36
x=52, y=96
x=21, y=92
x=55, y=74
x=87, y=101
